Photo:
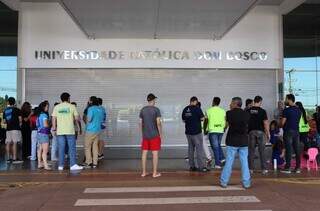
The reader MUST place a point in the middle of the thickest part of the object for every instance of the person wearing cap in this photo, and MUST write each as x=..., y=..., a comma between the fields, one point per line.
x=192, y=116
x=150, y=124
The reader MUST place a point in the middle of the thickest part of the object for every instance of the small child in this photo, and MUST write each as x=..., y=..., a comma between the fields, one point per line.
x=278, y=151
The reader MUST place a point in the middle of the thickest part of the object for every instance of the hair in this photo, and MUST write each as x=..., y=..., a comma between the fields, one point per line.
x=36, y=111
x=56, y=103
x=275, y=123
x=257, y=99
x=42, y=106
x=65, y=97
x=199, y=104
x=194, y=98
x=216, y=101
x=248, y=102
x=11, y=101
x=291, y=97
x=303, y=111
x=74, y=103
x=100, y=101
x=94, y=100
x=26, y=108
x=238, y=101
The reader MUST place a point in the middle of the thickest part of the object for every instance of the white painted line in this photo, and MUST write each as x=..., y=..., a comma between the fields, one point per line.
x=160, y=189
x=248, y=210
x=161, y=201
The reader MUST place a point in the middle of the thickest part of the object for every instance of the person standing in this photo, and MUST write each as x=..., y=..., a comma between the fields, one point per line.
x=63, y=117
x=249, y=104
x=290, y=123
x=13, y=119
x=215, y=123
x=54, y=141
x=93, y=129
x=103, y=133
x=34, y=133
x=259, y=132
x=237, y=143
x=43, y=136
x=26, y=112
x=192, y=116
x=150, y=124
x=304, y=127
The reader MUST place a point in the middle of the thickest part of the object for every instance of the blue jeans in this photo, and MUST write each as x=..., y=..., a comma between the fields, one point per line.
x=215, y=142
x=71, y=141
x=54, y=148
x=227, y=169
x=34, y=143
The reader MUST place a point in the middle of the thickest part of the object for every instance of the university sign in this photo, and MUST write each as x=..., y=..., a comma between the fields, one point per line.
x=151, y=55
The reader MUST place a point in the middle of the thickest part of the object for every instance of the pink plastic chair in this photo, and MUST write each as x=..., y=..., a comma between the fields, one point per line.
x=312, y=153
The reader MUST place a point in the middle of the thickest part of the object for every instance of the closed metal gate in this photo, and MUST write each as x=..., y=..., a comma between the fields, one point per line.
x=124, y=91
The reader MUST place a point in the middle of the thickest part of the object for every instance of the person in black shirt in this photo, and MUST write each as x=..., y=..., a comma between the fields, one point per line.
x=26, y=112
x=192, y=116
x=237, y=142
x=13, y=119
x=258, y=130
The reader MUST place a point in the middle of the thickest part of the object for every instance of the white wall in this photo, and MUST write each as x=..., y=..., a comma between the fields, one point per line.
x=46, y=26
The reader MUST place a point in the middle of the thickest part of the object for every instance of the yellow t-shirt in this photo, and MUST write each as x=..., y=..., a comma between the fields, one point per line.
x=65, y=114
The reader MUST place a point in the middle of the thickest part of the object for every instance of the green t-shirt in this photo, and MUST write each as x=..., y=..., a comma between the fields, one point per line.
x=65, y=114
x=216, y=119
x=303, y=127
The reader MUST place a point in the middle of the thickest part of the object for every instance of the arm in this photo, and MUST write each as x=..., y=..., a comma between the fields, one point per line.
x=54, y=125
x=205, y=126
x=267, y=129
x=283, y=122
x=79, y=124
x=159, y=126
x=141, y=126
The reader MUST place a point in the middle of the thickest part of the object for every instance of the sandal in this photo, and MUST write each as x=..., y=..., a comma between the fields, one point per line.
x=144, y=175
x=156, y=175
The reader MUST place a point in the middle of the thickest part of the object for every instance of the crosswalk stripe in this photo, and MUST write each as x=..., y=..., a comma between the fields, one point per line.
x=161, y=201
x=160, y=189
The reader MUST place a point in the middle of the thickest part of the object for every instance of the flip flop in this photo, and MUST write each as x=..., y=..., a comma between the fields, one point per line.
x=144, y=175
x=157, y=175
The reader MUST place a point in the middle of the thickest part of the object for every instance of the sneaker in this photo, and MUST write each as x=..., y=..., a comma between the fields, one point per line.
x=193, y=169
x=264, y=172
x=100, y=157
x=297, y=171
x=286, y=171
x=75, y=167
x=204, y=170
x=17, y=161
x=223, y=161
x=217, y=167
x=9, y=160
x=223, y=185
x=246, y=187
x=60, y=168
x=251, y=171
x=94, y=166
x=87, y=166
x=209, y=162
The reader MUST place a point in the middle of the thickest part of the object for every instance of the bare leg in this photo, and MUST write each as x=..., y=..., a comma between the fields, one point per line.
x=14, y=151
x=8, y=150
x=155, y=163
x=144, y=163
x=45, y=148
x=40, y=164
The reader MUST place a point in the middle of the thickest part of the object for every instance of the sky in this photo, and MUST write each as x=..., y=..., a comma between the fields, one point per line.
x=8, y=75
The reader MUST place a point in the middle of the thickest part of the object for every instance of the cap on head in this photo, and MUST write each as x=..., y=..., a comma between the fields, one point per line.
x=151, y=97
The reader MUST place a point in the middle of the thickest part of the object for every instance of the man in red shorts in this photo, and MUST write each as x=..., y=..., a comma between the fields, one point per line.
x=150, y=123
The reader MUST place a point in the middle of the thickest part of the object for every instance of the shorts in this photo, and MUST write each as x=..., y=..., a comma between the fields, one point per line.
x=13, y=136
x=43, y=138
x=153, y=144
x=103, y=136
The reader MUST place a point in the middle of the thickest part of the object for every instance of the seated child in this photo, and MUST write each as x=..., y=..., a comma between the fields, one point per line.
x=278, y=151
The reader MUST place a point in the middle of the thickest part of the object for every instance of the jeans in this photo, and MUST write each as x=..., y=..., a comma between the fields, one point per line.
x=34, y=143
x=227, y=169
x=71, y=141
x=257, y=137
x=291, y=140
x=215, y=142
x=195, y=143
x=54, y=148
x=206, y=148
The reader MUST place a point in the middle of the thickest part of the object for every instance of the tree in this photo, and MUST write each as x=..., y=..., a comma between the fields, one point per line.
x=2, y=104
